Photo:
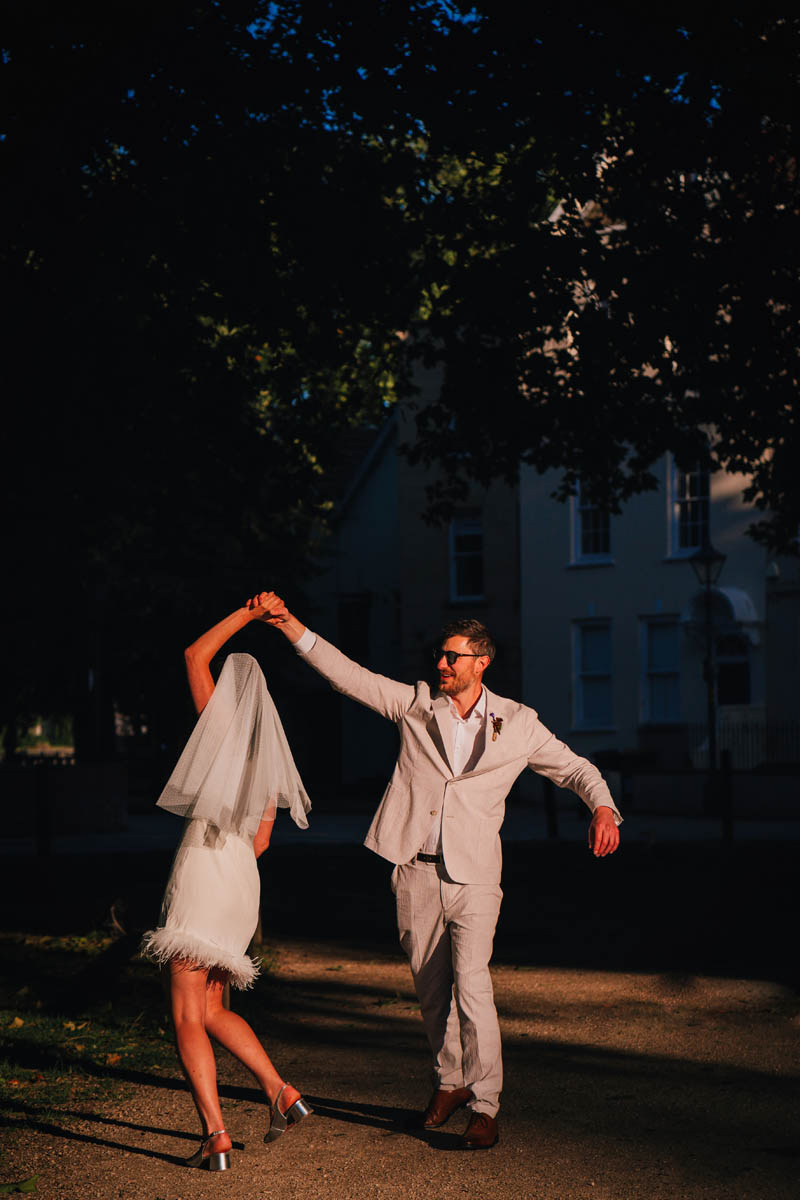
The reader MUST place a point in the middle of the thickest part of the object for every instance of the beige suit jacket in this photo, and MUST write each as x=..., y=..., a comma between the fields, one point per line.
x=423, y=783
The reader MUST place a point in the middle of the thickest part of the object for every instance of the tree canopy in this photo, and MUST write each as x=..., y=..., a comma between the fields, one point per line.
x=220, y=214
x=653, y=308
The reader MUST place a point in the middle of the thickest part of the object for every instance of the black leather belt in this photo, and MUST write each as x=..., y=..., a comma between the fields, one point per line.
x=435, y=858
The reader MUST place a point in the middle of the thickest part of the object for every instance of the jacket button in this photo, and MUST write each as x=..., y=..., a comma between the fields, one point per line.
x=434, y=811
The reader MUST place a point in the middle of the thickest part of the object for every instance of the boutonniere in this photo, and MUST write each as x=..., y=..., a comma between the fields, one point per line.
x=497, y=726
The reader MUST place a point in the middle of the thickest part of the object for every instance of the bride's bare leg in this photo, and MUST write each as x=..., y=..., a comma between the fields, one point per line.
x=233, y=1032
x=188, y=988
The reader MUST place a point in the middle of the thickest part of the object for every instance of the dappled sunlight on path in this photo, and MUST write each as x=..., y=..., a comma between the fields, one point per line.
x=617, y=1085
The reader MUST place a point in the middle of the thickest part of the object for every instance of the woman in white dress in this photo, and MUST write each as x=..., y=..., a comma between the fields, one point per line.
x=233, y=774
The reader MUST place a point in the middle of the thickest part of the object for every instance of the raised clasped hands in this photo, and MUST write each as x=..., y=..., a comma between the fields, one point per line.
x=267, y=607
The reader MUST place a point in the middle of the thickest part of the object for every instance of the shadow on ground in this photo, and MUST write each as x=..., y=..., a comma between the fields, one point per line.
x=675, y=908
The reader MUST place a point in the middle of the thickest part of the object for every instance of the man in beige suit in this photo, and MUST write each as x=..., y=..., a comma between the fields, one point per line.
x=461, y=748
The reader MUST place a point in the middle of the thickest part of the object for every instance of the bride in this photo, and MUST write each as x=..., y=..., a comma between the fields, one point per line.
x=235, y=771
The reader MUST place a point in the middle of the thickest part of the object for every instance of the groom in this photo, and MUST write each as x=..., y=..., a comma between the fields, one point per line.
x=461, y=748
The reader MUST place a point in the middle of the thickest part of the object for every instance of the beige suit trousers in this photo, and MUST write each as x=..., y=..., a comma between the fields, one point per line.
x=447, y=931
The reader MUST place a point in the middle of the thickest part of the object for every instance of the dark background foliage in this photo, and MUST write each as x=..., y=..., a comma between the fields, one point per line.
x=218, y=217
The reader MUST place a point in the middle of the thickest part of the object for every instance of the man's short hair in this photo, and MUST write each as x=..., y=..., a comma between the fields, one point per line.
x=480, y=639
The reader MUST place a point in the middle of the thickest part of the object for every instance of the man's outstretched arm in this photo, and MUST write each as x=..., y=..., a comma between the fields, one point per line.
x=555, y=760
x=388, y=697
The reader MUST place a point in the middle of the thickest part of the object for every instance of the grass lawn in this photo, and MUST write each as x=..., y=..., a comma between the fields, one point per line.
x=82, y=1019
x=62, y=1037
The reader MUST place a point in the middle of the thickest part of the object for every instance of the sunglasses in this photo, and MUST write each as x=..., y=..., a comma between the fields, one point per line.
x=451, y=655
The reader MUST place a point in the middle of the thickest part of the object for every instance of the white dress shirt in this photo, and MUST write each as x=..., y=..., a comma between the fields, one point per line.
x=467, y=744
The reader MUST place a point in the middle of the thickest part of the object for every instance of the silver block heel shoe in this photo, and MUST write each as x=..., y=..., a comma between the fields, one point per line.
x=210, y=1162
x=280, y=1122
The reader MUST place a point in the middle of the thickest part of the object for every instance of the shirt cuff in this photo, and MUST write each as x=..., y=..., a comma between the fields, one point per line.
x=306, y=642
x=616, y=814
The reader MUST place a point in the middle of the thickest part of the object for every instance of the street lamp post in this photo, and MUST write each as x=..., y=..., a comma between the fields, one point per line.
x=707, y=564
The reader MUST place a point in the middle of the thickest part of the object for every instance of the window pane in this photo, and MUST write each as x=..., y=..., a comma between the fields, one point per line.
x=662, y=671
x=664, y=698
x=469, y=576
x=468, y=543
x=594, y=530
x=597, y=701
x=467, y=525
x=693, y=522
x=466, y=563
x=593, y=671
x=595, y=538
x=596, y=649
x=691, y=508
x=663, y=647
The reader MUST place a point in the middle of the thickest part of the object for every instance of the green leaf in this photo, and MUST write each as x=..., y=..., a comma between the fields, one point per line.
x=25, y=1185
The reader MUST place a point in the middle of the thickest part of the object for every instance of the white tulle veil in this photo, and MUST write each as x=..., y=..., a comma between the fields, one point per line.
x=236, y=768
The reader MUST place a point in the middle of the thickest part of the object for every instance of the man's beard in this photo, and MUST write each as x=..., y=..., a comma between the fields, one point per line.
x=461, y=685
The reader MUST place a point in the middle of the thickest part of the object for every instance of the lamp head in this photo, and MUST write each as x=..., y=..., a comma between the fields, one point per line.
x=707, y=564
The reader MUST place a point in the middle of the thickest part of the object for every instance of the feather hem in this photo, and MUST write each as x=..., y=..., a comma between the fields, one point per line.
x=164, y=944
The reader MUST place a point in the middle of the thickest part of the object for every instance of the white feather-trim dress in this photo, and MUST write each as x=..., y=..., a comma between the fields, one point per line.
x=210, y=908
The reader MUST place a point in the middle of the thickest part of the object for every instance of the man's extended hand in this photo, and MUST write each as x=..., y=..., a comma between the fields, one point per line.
x=603, y=833
x=270, y=609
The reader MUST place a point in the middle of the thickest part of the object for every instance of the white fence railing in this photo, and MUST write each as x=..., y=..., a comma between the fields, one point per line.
x=751, y=744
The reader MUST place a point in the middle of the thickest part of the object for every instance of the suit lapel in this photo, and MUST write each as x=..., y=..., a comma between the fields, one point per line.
x=487, y=728
x=494, y=704
x=441, y=730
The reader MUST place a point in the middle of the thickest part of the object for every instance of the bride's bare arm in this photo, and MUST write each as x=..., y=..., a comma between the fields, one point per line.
x=263, y=834
x=199, y=655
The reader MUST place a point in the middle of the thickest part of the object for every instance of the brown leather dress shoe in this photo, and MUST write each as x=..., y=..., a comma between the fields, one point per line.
x=481, y=1133
x=442, y=1105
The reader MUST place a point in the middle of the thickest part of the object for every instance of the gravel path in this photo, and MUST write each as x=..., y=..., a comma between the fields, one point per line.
x=617, y=1086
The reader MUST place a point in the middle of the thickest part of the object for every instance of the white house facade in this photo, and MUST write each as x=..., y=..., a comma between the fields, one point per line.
x=616, y=627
